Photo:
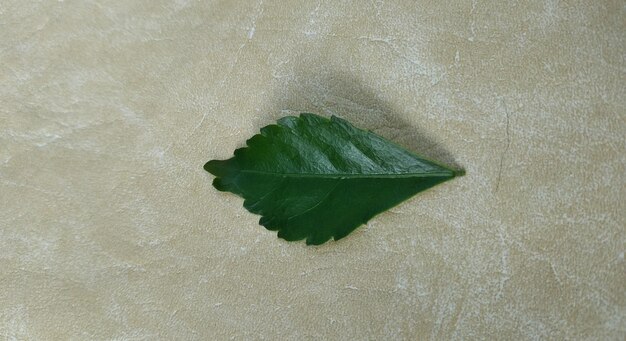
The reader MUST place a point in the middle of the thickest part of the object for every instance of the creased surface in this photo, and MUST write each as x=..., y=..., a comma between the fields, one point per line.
x=110, y=229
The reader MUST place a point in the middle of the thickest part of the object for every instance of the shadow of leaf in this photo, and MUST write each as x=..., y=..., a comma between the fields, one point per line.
x=345, y=96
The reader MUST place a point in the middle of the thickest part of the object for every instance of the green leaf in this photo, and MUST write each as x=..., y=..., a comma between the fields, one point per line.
x=317, y=178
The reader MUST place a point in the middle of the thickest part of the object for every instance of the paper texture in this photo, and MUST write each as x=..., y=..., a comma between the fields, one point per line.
x=110, y=228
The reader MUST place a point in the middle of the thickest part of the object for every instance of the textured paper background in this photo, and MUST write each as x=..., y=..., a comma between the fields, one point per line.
x=110, y=229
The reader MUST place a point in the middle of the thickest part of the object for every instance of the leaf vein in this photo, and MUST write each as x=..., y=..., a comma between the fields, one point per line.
x=317, y=204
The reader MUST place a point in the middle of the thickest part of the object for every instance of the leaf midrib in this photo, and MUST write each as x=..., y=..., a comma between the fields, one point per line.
x=352, y=175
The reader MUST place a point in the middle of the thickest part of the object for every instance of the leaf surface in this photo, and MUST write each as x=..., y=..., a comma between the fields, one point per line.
x=315, y=178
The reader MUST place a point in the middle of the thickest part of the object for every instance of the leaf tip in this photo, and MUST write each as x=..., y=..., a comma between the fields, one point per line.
x=212, y=166
x=459, y=172
x=221, y=167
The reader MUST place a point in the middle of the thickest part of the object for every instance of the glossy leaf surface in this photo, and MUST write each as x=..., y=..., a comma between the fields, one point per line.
x=315, y=178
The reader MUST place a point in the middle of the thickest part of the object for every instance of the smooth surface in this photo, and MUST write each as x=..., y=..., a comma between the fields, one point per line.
x=110, y=228
x=316, y=178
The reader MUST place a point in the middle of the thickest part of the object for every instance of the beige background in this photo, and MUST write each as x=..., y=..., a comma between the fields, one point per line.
x=110, y=228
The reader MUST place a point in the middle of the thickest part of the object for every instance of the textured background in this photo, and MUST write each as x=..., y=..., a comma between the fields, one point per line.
x=110, y=229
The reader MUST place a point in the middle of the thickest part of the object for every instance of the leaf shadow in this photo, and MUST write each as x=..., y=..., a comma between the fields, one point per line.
x=346, y=96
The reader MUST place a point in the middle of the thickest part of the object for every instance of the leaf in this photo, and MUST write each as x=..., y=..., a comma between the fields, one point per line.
x=317, y=178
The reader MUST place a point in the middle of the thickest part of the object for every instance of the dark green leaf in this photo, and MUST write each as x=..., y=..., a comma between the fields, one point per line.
x=317, y=178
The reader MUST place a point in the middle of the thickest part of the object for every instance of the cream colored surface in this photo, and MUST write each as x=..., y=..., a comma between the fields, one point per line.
x=110, y=229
